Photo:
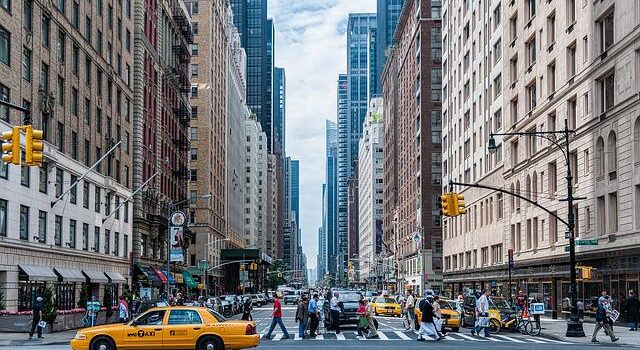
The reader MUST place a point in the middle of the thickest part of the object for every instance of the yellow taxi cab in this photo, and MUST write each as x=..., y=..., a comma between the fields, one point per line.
x=171, y=328
x=386, y=306
x=450, y=317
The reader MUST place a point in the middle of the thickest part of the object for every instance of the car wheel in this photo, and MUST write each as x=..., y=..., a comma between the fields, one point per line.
x=210, y=343
x=102, y=343
x=455, y=329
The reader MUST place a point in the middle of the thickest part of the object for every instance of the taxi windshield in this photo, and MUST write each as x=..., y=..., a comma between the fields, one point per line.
x=445, y=305
x=386, y=301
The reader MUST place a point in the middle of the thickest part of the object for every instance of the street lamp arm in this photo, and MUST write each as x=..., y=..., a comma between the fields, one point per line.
x=542, y=134
x=512, y=194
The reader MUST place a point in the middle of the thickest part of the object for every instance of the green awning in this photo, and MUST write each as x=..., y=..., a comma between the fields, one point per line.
x=188, y=280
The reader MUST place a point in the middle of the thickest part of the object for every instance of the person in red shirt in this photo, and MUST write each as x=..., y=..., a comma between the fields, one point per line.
x=277, y=318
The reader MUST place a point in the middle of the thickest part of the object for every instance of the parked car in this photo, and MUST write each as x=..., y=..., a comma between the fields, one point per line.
x=498, y=308
x=258, y=300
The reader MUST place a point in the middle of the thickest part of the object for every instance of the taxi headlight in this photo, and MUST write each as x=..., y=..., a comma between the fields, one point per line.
x=80, y=336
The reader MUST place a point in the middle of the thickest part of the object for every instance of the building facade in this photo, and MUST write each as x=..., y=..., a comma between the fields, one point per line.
x=55, y=230
x=279, y=110
x=370, y=196
x=330, y=200
x=412, y=84
x=387, y=13
x=255, y=218
x=357, y=88
x=589, y=69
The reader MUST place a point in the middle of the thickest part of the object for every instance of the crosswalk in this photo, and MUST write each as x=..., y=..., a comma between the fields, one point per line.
x=411, y=336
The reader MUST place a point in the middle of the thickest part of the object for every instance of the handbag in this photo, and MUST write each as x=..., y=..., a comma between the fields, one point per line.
x=42, y=324
x=363, y=322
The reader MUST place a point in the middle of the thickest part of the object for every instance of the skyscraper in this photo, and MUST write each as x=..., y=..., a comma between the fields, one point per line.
x=279, y=110
x=330, y=200
x=256, y=35
x=387, y=14
x=295, y=190
x=361, y=66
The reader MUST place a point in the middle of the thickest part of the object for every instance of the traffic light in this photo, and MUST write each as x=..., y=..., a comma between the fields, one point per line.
x=459, y=205
x=11, y=146
x=34, y=146
x=585, y=272
x=446, y=205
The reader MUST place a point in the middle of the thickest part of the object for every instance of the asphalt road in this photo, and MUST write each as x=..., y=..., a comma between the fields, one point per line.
x=392, y=334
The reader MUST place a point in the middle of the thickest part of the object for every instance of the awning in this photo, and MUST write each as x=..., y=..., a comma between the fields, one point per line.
x=116, y=277
x=151, y=276
x=38, y=273
x=170, y=276
x=188, y=280
x=70, y=275
x=178, y=278
x=160, y=275
x=96, y=276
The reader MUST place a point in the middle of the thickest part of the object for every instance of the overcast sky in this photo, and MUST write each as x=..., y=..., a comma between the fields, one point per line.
x=311, y=45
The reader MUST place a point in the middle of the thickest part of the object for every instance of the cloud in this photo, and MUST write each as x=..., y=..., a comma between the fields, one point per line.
x=311, y=45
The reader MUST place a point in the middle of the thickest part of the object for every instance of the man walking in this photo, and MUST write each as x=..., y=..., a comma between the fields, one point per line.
x=482, y=312
x=277, y=318
x=602, y=320
x=314, y=316
x=123, y=310
x=335, y=313
x=409, y=311
x=632, y=307
x=37, y=316
x=302, y=315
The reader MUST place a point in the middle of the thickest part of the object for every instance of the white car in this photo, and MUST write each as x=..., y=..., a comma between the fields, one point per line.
x=258, y=300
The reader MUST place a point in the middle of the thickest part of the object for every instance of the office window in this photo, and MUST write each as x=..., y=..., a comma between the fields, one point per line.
x=5, y=46
x=75, y=60
x=107, y=242
x=571, y=12
x=27, y=15
x=551, y=31
x=605, y=31
x=497, y=86
x=571, y=60
x=57, y=235
x=24, y=223
x=606, y=91
x=194, y=154
x=551, y=77
x=73, y=194
x=194, y=133
x=116, y=244
x=87, y=29
x=87, y=153
x=3, y=218
x=530, y=7
x=42, y=226
x=531, y=51
x=75, y=15
x=72, y=234
x=87, y=110
x=97, y=199
x=85, y=236
x=4, y=95
x=96, y=239
x=613, y=212
x=4, y=170
x=85, y=195
x=26, y=64
x=125, y=248
x=115, y=207
x=43, y=179
x=126, y=211
x=552, y=179
x=6, y=5
x=532, y=98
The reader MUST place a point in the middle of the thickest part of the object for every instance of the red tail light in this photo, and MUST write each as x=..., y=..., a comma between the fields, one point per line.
x=251, y=329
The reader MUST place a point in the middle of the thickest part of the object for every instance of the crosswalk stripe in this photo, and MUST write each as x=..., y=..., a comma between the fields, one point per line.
x=556, y=341
x=491, y=338
x=319, y=337
x=297, y=337
x=340, y=336
x=467, y=337
x=536, y=341
x=261, y=335
x=382, y=336
x=278, y=336
x=401, y=335
x=508, y=338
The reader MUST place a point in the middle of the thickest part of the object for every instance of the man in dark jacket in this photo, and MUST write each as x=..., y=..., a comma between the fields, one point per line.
x=37, y=316
x=602, y=321
x=632, y=307
x=302, y=316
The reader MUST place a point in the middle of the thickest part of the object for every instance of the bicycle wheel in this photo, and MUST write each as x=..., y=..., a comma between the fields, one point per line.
x=527, y=327
x=494, y=326
x=534, y=328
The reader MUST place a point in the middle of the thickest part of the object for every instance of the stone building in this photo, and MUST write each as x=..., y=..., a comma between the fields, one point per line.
x=48, y=52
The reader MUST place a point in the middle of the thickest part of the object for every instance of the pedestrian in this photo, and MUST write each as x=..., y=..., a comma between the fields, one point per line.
x=580, y=305
x=246, y=310
x=437, y=312
x=602, y=320
x=362, y=318
x=302, y=316
x=277, y=318
x=427, y=327
x=335, y=313
x=409, y=311
x=123, y=310
x=36, y=309
x=179, y=299
x=632, y=307
x=314, y=316
x=373, y=332
x=482, y=315
x=521, y=301
x=460, y=303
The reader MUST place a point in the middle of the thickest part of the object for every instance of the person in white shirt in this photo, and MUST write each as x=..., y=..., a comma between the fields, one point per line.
x=335, y=313
x=482, y=312
x=409, y=310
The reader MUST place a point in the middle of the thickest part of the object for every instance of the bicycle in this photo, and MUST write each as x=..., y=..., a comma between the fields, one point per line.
x=524, y=325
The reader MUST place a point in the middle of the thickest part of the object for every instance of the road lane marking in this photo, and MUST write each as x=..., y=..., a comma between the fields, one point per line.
x=557, y=341
x=536, y=341
x=278, y=336
x=508, y=338
x=297, y=337
x=340, y=336
x=319, y=337
x=383, y=336
x=467, y=337
x=402, y=335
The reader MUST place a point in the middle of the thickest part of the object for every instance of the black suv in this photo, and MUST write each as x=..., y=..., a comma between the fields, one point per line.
x=350, y=303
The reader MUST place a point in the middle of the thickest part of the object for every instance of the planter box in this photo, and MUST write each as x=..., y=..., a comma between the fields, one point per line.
x=15, y=324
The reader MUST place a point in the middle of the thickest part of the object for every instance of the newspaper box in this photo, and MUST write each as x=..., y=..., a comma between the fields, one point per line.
x=536, y=309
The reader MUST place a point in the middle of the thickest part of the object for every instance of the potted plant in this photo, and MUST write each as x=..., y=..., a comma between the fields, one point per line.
x=49, y=309
x=108, y=303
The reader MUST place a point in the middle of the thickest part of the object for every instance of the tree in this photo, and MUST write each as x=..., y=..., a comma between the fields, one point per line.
x=108, y=300
x=84, y=296
x=49, y=309
x=277, y=274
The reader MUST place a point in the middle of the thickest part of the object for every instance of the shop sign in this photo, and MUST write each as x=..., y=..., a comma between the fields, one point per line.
x=177, y=244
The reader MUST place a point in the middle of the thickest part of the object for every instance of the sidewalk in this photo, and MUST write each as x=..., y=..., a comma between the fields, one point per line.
x=22, y=339
x=556, y=329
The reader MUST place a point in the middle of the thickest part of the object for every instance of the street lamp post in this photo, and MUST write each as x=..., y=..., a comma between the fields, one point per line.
x=574, y=325
x=170, y=208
